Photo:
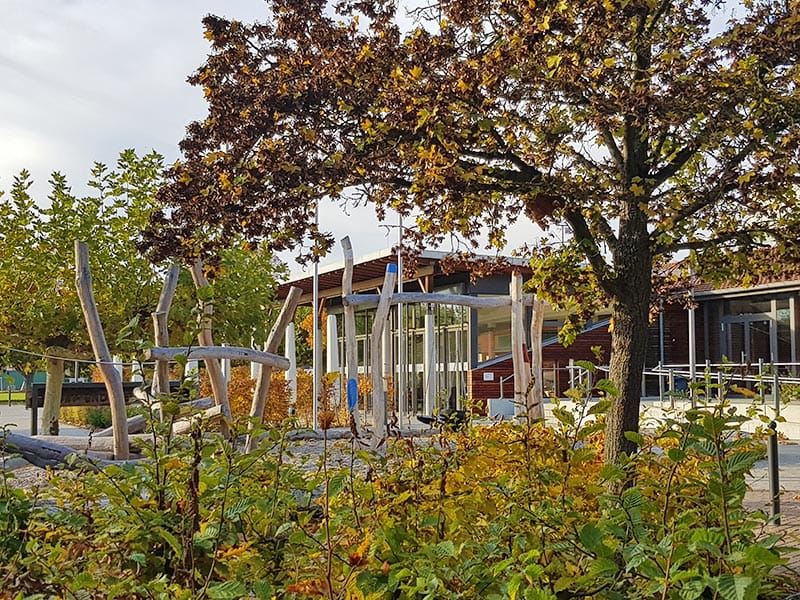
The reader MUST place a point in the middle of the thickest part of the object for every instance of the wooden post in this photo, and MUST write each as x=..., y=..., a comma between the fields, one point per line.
x=521, y=370
x=161, y=329
x=111, y=377
x=350, y=347
x=536, y=398
x=265, y=371
x=382, y=312
x=218, y=386
x=52, y=394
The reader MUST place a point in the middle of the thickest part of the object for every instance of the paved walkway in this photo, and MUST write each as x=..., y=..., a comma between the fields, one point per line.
x=789, y=521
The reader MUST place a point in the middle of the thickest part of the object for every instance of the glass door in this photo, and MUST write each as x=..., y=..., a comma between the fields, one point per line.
x=747, y=339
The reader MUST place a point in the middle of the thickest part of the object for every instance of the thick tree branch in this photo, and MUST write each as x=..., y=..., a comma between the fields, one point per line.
x=583, y=236
x=611, y=144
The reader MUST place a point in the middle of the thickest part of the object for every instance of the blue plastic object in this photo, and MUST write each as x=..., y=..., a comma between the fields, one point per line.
x=352, y=394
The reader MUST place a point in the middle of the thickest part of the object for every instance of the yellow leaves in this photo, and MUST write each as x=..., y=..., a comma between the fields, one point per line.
x=544, y=24
x=173, y=463
x=212, y=157
x=359, y=555
x=208, y=34
x=637, y=189
x=365, y=52
x=746, y=177
x=234, y=551
x=415, y=72
x=462, y=86
x=207, y=91
x=225, y=181
x=610, y=62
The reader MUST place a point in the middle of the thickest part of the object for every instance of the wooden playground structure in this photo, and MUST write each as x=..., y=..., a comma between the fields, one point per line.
x=51, y=450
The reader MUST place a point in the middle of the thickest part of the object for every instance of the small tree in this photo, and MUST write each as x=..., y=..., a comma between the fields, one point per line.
x=39, y=307
x=633, y=122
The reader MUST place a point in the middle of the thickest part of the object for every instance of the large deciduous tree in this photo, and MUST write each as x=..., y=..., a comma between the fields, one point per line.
x=641, y=124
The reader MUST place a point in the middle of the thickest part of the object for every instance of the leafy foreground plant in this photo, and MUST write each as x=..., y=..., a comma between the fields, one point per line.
x=507, y=511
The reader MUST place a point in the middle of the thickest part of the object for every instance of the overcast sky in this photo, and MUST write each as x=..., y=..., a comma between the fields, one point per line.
x=84, y=79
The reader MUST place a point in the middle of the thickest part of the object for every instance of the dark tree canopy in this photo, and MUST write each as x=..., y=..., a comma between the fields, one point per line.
x=633, y=121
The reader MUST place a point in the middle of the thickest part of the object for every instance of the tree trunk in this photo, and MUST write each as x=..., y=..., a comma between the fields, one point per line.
x=628, y=348
x=52, y=394
x=631, y=309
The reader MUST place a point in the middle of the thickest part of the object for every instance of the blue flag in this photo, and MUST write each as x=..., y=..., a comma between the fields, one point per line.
x=352, y=394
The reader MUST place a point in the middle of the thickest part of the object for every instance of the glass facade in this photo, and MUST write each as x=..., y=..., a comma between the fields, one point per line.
x=407, y=347
x=759, y=327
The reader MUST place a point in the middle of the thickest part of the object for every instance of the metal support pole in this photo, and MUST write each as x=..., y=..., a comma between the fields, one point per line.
x=774, y=483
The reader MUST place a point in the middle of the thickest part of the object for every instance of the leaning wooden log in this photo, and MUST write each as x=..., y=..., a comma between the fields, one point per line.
x=350, y=345
x=83, y=443
x=214, y=414
x=522, y=372
x=536, y=408
x=216, y=352
x=44, y=454
x=161, y=329
x=111, y=377
x=135, y=424
x=382, y=312
x=261, y=391
x=219, y=387
x=187, y=407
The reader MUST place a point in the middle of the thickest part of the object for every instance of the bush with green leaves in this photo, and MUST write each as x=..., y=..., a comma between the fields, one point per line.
x=507, y=511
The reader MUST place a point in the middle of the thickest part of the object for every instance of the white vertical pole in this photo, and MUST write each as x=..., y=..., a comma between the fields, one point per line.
x=291, y=372
x=316, y=337
x=253, y=365
x=332, y=355
x=117, y=364
x=429, y=367
x=225, y=365
x=401, y=346
x=692, y=351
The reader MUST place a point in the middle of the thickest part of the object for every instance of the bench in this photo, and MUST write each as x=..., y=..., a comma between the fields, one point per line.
x=81, y=394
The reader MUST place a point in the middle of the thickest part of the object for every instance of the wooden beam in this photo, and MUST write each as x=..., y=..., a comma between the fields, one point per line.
x=207, y=353
x=536, y=398
x=111, y=377
x=522, y=371
x=161, y=328
x=378, y=399
x=370, y=300
x=265, y=371
x=350, y=346
x=218, y=385
x=358, y=286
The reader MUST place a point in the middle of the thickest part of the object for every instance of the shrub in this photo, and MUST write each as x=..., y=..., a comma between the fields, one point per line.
x=92, y=417
x=508, y=511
